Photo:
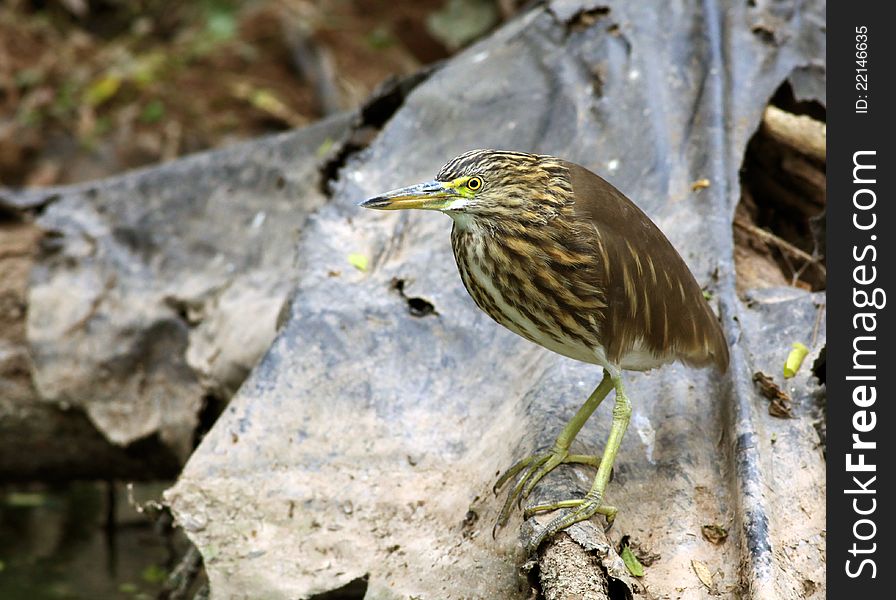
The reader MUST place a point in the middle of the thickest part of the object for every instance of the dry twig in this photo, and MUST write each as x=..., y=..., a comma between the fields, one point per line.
x=781, y=244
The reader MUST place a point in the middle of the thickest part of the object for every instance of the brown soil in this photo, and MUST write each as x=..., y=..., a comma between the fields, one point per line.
x=18, y=248
x=132, y=82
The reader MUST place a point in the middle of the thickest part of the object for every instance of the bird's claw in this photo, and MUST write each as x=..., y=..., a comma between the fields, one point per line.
x=583, y=508
x=512, y=471
x=536, y=467
x=532, y=464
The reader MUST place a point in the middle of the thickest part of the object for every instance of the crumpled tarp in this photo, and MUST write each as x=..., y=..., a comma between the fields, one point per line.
x=159, y=288
x=366, y=442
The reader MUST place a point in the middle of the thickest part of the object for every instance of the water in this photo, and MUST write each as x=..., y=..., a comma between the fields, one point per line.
x=83, y=541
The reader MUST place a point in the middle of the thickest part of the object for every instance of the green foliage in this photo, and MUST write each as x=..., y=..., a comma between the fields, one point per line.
x=102, y=89
x=65, y=102
x=220, y=19
x=221, y=25
x=154, y=574
x=128, y=588
x=632, y=563
x=380, y=38
x=459, y=22
x=152, y=112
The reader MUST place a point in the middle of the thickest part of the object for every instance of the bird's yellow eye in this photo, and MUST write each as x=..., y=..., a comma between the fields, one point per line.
x=474, y=183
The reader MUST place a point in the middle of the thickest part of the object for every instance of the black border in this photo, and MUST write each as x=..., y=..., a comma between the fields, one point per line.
x=849, y=132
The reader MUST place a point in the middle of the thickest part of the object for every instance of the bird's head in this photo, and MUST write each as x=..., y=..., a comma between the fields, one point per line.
x=490, y=185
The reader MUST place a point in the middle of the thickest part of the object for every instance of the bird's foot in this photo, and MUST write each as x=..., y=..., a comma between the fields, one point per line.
x=583, y=508
x=534, y=468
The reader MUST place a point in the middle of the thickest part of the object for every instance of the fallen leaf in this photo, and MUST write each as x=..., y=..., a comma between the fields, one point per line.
x=358, y=261
x=715, y=534
x=700, y=184
x=102, y=89
x=644, y=555
x=780, y=402
x=631, y=562
x=703, y=573
x=780, y=409
x=267, y=101
x=795, y=359
x=768, y=387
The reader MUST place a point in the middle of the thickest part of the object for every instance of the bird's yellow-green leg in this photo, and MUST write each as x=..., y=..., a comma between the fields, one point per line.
x=590, y=505
x=539, y=465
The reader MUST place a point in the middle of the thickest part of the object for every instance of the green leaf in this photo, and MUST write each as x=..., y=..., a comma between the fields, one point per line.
x=795, y=359
x=632, y=563
x=325, y=148
x=154, y=574
x=102, y=89
x=358, y=261
x=267, y=101
x=152, y=112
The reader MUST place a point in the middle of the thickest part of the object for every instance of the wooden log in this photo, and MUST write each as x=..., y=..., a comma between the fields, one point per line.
x=800, y=132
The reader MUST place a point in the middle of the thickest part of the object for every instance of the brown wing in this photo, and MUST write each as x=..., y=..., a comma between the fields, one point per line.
x=651, y=293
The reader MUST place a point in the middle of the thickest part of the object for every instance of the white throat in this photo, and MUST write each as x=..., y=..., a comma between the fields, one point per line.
x=462, y=220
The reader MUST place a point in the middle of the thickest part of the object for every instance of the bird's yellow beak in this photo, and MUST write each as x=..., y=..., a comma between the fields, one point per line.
x=432, y=195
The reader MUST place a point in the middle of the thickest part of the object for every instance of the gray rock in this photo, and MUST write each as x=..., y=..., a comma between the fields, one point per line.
x=162, y=287
x=365, y=437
